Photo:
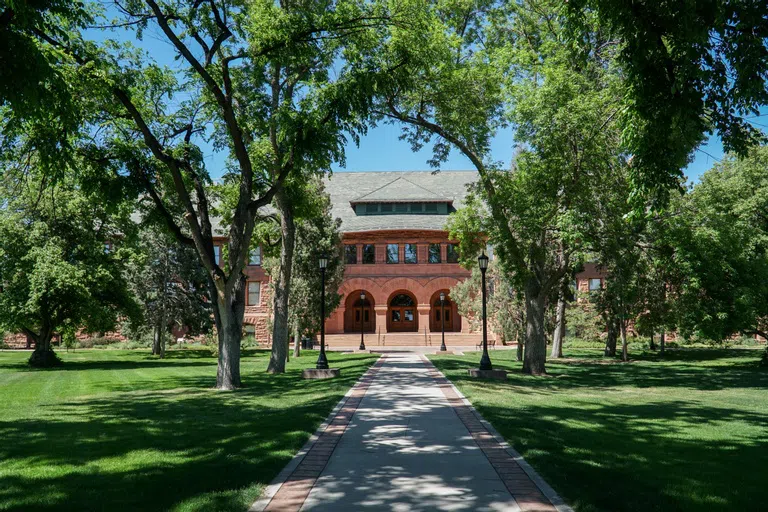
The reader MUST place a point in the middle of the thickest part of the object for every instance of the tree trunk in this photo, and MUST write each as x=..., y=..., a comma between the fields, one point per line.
x=624, y=351
x=228, y=313
x=162, y=341
x=156, y=340
x=610, y=340
x=296, y=340
x=43, y=356
x=653, y=344
x=559, y=334
x=535, y=356
x=662, y=342
x=282, y=286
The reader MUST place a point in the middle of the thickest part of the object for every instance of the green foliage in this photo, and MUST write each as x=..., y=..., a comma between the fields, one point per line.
x=505, y=310
x=169, y=284
x=317, y=232
x=583, y=320
x=690, y=68
x=55, y=271
x=717, y=249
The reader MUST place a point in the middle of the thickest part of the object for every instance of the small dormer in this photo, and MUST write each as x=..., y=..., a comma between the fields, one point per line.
x=402, y=197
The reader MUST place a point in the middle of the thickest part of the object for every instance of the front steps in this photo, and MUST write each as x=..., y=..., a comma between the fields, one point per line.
x=377, y=341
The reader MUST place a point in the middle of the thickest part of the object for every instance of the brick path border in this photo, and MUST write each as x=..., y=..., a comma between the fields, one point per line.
x=290, y=488
x=529, y=490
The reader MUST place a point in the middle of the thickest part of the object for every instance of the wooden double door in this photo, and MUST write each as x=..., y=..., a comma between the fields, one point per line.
x=402, y=315
x=362, y=318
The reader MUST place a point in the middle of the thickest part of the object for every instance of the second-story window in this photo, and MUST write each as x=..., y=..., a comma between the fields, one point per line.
x=393, y=253
x=434, y=253
x=452, y=253
x=410, y=253
x=369, y=254
x=255, y=258
x=217, y=254
x=595, y=284
x=254, y=293
x=350, y=254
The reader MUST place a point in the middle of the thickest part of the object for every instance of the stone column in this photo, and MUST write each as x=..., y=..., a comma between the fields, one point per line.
x=381, y=317
x=381, y=253
x=335, y=323
x=423, y=310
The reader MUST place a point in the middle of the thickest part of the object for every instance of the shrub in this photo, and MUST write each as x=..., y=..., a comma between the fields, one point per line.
x=583, y=321
x=85, y=343
x=249, y=342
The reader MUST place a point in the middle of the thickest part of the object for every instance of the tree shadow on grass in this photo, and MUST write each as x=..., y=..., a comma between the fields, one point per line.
x=683, y=451
x=678, y=371
x=154, y=450
x=633, y=457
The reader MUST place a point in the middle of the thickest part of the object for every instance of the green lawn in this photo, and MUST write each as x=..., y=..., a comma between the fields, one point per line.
x=689, y=432
x=122, y=430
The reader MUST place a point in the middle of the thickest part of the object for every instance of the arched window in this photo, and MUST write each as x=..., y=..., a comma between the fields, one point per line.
x=364, y=303
x=402, y=300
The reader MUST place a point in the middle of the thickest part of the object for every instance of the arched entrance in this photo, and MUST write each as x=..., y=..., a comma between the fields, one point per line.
x=402, y=315
x=447, y=312
x=359, y=311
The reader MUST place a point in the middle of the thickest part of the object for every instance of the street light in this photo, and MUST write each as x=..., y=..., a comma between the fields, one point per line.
x=322, y=361
x=485, y=361
x=442, y=320
x=362, y=336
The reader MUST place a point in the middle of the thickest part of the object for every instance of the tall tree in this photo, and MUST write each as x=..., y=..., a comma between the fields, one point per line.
x=274, y=85
x=316, y=233
x=167, y=281
x=718, y=244
x=57, y=269
x=502, y=63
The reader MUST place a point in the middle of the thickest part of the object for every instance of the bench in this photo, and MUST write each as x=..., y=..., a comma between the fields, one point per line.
x=491, y=343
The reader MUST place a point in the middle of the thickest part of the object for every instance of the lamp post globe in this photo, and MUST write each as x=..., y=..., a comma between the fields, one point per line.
x=362, y=321
x=322, y=361
x=442, y=321
x=485, y=360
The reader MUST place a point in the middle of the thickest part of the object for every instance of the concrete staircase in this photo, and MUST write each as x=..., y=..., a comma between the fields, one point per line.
x=375, y=341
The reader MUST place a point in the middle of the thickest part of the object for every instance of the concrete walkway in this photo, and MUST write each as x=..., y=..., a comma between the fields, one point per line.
x=405, y=441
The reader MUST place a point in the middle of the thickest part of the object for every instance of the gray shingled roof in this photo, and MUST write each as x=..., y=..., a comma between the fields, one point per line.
x=346, y=188
x=399, y=189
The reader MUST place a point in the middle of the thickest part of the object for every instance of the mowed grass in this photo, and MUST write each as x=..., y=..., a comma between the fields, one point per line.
x=122, y=430
x=686, y=432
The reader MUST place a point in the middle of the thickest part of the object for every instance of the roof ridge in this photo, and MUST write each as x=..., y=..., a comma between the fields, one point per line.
x=415, y=185
x=376, y=190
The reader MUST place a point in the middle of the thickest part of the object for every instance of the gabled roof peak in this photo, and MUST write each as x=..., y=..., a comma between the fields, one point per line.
x=401, y=190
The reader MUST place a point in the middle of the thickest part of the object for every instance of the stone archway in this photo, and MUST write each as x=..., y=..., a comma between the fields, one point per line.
x=448, y=312
x=402, y=312
x=359, y=313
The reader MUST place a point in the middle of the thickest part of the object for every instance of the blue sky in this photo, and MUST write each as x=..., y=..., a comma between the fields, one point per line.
x=381, y=149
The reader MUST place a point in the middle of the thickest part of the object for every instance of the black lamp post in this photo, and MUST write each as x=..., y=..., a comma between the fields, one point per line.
x=485, y=361
x=442, y=320
x=322, y=361
x=362, y=320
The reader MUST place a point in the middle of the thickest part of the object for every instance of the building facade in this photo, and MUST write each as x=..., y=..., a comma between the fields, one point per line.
x=397, y=252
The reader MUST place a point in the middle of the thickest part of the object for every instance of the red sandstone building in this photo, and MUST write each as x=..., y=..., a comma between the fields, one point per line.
x=396, y=251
